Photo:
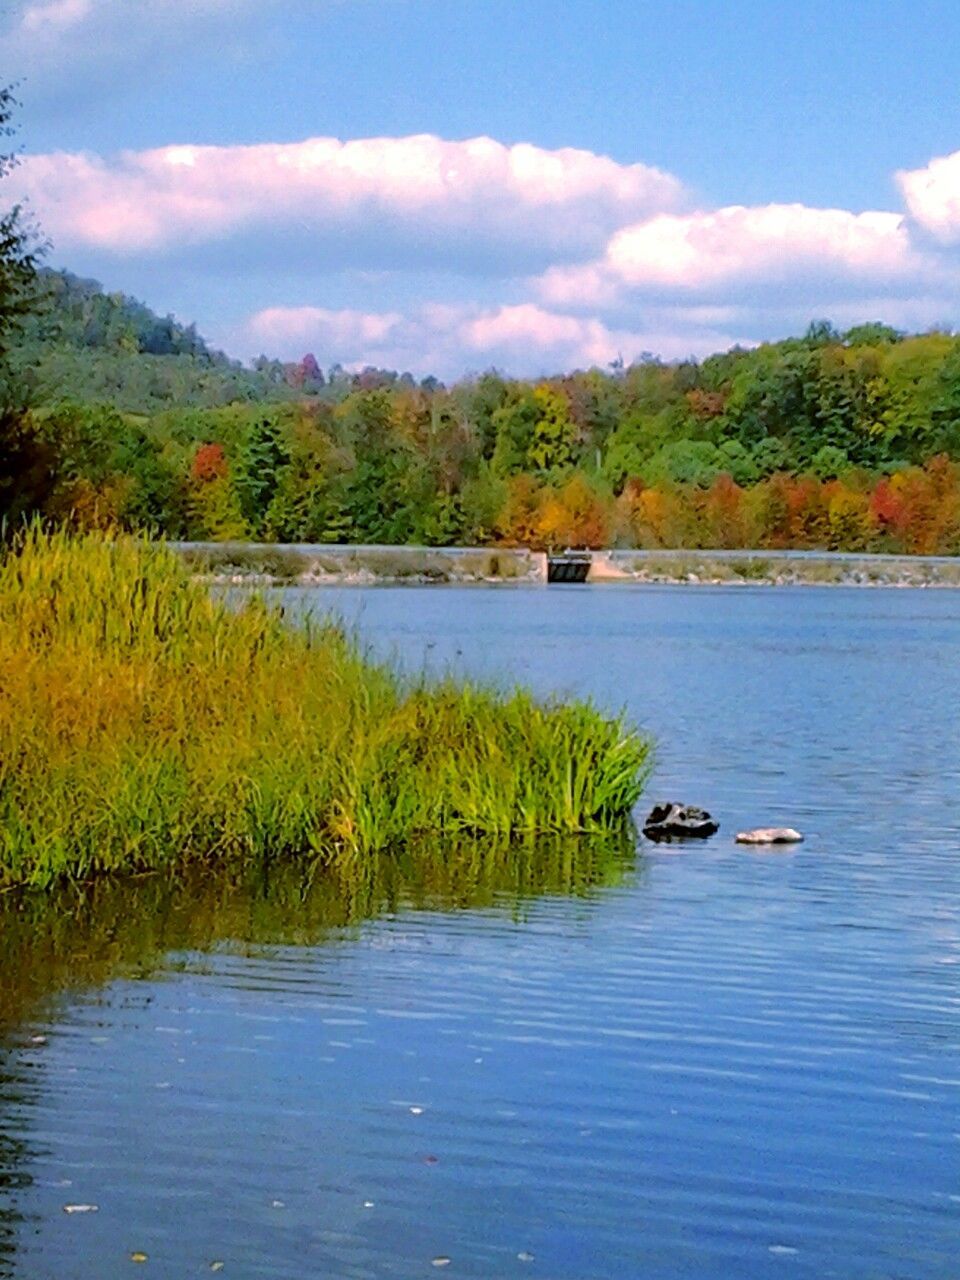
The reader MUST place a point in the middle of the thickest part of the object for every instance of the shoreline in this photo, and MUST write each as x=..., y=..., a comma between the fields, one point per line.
x=308, y=565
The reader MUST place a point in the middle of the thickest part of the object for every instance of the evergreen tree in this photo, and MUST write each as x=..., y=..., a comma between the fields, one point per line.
x=262, y=458
x=27, y=464
x=20, y=249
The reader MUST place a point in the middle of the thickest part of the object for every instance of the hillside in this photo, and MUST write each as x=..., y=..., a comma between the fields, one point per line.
x=845, y=441
x=92, y=347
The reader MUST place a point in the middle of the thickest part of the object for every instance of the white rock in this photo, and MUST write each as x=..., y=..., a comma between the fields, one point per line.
x=769, y=835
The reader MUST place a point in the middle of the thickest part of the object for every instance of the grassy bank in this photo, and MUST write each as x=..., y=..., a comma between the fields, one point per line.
x=144, y=723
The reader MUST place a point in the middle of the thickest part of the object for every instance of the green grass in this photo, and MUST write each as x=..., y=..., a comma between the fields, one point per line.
x=145, y=723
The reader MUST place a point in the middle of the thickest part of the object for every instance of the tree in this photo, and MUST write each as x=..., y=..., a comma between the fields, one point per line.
x=554, y=434
x=694, y=462
x=574, y=516
x=829, y=462
x=820, y=333
x=27, y=465
x=20, y=250
x=514, y=424
x=261, y=458
x=872, y=334
x=770, y=455
x=738, y=462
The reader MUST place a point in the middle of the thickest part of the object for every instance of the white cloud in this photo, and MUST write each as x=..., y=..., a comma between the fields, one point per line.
x=568, y=258
x=524, y=327
x=43, y=17
x=57, y=45
x=932, y=195
x=448, y=340
x=721, y=254
x=380, y=199
x=770, y=243
x=293, y=329
x=55, y=15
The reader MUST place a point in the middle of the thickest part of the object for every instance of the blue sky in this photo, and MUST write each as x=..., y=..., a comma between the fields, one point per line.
x=668, y=177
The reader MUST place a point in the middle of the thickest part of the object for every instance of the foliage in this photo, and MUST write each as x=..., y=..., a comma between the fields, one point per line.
x=137, y=422
x=144, y=722
x=20, y=248
x=89, y=345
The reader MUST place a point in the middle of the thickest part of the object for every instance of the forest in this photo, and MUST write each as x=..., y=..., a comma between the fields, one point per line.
x=834, y=440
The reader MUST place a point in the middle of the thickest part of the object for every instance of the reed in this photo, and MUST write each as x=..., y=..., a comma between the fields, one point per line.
x=145, y=723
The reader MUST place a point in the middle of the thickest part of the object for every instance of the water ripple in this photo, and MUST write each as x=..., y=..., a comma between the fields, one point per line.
x=727, y=1064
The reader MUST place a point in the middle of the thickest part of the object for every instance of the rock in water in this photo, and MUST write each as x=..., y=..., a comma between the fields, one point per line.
x=769, y=835
x=679, y=822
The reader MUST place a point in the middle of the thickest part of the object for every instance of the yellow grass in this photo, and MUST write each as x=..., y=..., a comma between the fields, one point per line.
x=144, y=722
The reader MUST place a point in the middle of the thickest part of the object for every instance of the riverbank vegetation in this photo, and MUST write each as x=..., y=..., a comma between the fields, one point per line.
x=144, y=723
x=840, y=441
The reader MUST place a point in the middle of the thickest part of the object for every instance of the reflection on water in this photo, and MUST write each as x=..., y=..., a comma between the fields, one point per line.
x=710, y=1063
x=85, y=937
x=15, y=1154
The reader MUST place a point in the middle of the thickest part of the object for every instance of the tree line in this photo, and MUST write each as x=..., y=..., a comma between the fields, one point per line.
x=838, y=441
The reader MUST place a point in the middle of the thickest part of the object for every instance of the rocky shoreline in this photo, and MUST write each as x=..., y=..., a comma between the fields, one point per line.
x=777, y=569
x=264, y=564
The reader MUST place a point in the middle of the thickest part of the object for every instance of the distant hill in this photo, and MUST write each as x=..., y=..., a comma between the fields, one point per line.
x=88, y=346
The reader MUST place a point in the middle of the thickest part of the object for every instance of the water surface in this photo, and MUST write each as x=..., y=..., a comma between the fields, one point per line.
x=567, y=1062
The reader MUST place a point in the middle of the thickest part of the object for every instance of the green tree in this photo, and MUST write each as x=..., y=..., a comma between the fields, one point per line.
x=28, y=466
x=872, y=334
x=261, y=459
x=739, y=463
x=829, y=462
x=27, y=463
x=636, y=439
x=770, y=455
x=514, y=424
x=945, y=408
x=552, y=448
x=20, y=250
x=693, y=462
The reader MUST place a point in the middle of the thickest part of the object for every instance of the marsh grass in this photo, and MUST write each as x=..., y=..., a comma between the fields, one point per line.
x=145, y=723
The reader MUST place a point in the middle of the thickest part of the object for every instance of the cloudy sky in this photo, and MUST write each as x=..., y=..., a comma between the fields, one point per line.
x=446, y=185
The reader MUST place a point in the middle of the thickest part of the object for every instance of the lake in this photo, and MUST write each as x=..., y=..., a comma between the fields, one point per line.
x=571, y=1061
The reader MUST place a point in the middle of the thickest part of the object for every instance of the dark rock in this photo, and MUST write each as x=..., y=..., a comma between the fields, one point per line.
x=679, y=822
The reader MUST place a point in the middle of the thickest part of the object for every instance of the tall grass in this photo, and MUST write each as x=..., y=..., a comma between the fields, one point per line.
x=144, y=722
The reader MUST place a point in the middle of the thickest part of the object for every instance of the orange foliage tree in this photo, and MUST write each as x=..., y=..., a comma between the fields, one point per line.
x=209, y=463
